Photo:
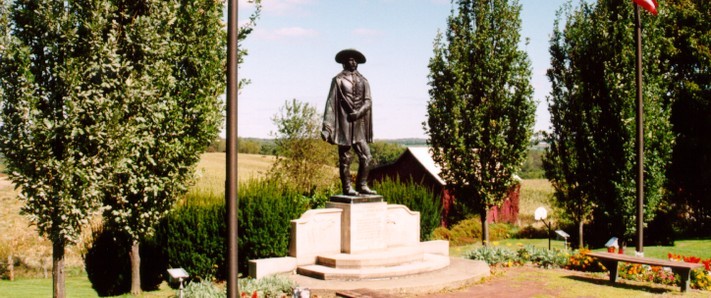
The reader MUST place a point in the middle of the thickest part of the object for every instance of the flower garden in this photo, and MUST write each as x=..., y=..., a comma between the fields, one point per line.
x=578, y=260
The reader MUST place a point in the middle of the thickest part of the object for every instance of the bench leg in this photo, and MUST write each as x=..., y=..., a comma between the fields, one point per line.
x=685, y=276
x=612, y=266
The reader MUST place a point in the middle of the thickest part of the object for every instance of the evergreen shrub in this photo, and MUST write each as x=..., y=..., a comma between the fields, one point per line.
x=108, y=266
x=193, y=236
x=417, y=198
x=266, y=209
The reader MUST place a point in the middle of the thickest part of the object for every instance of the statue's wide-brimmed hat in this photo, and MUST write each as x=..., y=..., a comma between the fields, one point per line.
x=343, y=56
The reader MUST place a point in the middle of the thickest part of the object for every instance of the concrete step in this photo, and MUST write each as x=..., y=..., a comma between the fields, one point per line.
x=393, y=256
x=429, y=262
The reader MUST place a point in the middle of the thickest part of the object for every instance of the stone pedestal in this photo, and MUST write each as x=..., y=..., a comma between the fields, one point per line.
x=357, y=237
x=363, y=222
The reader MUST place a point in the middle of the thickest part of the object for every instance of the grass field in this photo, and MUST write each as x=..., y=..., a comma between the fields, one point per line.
x=211, y=171
x=534, y=193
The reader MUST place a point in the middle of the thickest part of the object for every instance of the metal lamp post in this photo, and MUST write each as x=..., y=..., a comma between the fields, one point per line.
x=540, y=214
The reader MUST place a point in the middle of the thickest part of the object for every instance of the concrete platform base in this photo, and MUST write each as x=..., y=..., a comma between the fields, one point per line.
x=427, y=263
x=459, y=273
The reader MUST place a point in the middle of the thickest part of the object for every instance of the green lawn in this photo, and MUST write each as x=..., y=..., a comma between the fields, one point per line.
x=76, y=286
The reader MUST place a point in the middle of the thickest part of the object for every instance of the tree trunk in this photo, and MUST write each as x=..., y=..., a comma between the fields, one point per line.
x=484, y=227
x=58, y=276
x=135, y=269
x=10, y=268
x=580, y=234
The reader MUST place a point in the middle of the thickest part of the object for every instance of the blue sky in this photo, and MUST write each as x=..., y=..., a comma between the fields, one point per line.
x=292, y=49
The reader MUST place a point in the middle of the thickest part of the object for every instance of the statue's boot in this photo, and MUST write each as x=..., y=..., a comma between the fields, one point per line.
x=345, y=172
x=362, y=179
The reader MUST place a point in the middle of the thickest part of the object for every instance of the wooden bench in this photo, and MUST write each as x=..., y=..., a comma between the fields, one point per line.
x=610, y=261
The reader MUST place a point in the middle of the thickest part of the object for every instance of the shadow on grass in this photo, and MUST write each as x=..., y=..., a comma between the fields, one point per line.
x=606, y=282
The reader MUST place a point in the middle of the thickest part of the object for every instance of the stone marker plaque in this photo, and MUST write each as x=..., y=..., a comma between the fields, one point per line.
x=362, y=225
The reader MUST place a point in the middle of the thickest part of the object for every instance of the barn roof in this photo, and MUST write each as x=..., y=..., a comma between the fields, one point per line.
x=424, y=157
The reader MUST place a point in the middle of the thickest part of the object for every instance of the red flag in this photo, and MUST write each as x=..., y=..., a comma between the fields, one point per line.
x=649, y=5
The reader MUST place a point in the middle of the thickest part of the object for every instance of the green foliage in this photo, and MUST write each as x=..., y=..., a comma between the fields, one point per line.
x=502, y=256
x=481, y=108
x=108, y=267
x=468, y=231
x=495, y=256
x=591, y=160
x=417, y=198
x=203, y=289
x=686, y=23
x=543, y=257
x=176, y=70
x=385, y=152
x=266, y=209
x=57, y=123
x=302, y=157
x=248, y=146
x=268, y=286
x=532, y=167
x=58, y=115
x=193, y=236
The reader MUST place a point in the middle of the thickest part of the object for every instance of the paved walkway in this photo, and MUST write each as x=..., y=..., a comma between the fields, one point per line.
x=459, y=274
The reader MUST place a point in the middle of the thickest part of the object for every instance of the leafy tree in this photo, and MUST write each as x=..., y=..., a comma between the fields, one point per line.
x=564, y=165
x=532, y=167
x=687, y=24
x=481, y=110
x=592, y=156
x=58, y=134
x=385, y=152
x=249, y=146
x=302, y=157
x=175, y=57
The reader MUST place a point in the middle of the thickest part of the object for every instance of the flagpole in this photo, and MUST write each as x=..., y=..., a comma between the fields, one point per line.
x=231, y=198
x=639, y=136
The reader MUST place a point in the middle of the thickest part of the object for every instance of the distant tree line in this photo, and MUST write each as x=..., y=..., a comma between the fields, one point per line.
x=383, y=151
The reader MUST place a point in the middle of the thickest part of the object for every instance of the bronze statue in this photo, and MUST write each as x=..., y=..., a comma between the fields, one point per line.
x=347, y=121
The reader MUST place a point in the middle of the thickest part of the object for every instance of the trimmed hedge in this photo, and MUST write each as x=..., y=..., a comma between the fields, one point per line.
x=415, y=197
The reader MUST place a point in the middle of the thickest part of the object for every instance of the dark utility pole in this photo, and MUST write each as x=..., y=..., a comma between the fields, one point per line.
x=640, y=135
x=231, y=199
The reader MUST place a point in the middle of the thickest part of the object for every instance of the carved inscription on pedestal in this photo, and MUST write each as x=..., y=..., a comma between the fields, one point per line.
x=362, y=225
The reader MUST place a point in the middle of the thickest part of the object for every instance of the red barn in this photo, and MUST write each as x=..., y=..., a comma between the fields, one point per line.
x=416, y=163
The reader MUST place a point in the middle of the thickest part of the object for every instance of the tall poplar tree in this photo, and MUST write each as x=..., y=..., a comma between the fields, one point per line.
x=175, y=53
x=593, y=116
x=565, y=166
x=481, y=110
x=58, y=122
x=687, y=24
